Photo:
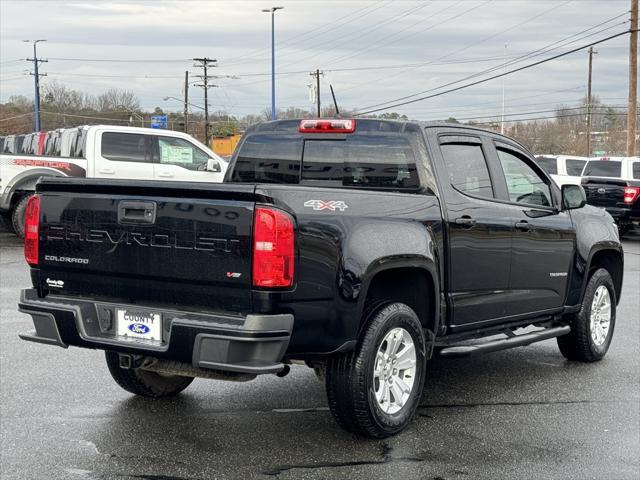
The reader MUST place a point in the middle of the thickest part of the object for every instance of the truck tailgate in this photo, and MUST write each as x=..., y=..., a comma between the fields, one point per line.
x=604, y=192
x=149, y=242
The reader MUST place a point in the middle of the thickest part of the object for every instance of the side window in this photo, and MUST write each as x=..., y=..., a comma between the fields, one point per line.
x=125, y=147
x=635, y=170
x=467, y=167
x=523, y=183
x=548, y=164
x=177, y=151
x=574, y=167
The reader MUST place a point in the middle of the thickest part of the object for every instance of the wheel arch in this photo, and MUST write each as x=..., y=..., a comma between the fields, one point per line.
x=409, y=280
x=610, y=259
x=26, y=181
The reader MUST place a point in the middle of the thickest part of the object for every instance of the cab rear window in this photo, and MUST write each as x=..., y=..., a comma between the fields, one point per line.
x=602, y=168
x=366, y=161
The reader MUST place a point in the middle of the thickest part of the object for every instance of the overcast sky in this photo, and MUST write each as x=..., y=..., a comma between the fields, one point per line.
x=362, y=46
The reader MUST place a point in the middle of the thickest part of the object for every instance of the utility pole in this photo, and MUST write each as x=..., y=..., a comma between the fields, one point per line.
x=186, y=101
x=317, y=74
x=591, y=52
x=36, y=78
x=205, y=63
x=504, y=69
x=632, y=112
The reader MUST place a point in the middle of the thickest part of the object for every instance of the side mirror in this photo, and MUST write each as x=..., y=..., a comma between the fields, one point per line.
x=573, y=197
x=213, y=165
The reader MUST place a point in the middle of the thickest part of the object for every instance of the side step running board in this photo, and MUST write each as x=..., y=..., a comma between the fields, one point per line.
x=504, y=343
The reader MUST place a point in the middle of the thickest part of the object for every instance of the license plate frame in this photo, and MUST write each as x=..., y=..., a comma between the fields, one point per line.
x=138, y=325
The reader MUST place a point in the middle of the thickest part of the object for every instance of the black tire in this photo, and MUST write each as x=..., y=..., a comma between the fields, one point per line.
x=18, y=213
x=145, y=383
x=349, y=377
x=579, y=345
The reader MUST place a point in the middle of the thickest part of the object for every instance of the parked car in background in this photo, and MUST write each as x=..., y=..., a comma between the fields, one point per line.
x=52, y=143
x=564, y=169
x=102, y=151
x=613, y=183
x=13, y=144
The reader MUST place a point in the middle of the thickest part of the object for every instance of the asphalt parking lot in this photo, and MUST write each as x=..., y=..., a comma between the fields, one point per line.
x=524, y=413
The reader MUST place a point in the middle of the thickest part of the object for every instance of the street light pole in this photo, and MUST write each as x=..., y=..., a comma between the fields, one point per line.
x=272, y=10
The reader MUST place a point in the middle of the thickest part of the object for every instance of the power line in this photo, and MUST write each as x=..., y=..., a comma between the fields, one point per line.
x=354, y=34
x=91, y=75
x=552, y=117
x=319, y=31
x=430, y=27
x=534, y=53
x=509, y=72
x=120, y=60
x=514, y=60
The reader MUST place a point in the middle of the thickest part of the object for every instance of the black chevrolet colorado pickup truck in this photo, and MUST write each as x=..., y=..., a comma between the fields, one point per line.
x=359, y=247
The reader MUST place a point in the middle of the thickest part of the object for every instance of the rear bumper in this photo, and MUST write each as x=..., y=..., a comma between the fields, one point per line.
x=249, y=344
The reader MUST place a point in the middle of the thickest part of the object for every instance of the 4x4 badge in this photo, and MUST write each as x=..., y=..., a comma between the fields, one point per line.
x=331, y=205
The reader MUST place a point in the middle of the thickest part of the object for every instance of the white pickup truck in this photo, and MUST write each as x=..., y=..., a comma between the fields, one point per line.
x=564, y=169
x=106, y=151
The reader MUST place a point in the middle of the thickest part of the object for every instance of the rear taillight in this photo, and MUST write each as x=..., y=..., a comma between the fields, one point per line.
x=273, y=249
x=327, y=126
x=31, y=225
x=630, y=194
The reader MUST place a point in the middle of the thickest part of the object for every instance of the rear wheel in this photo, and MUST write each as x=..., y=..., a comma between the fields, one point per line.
x=18, y=213
x=375, y=390
x=145, y=383
x=592, y=327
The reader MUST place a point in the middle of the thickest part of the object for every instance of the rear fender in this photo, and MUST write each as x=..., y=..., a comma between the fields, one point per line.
x=381, y=246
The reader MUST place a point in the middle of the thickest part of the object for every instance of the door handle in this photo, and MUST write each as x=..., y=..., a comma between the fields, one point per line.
x=107, y=171
x=523, y=225
x=466, y=221
x=165, y=174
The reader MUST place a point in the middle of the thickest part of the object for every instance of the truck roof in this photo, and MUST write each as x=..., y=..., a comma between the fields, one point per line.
x=374, y=125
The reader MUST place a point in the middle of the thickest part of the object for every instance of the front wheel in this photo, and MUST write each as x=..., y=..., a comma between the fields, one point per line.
x=592, y=327
x=375, y=390
x=143, y=382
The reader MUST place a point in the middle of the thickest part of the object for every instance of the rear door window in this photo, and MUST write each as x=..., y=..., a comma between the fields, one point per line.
x=635, y=170
x=574, y=166
x=467, y=168
x=548, y=164
x=602, y=168
x=125, y=147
